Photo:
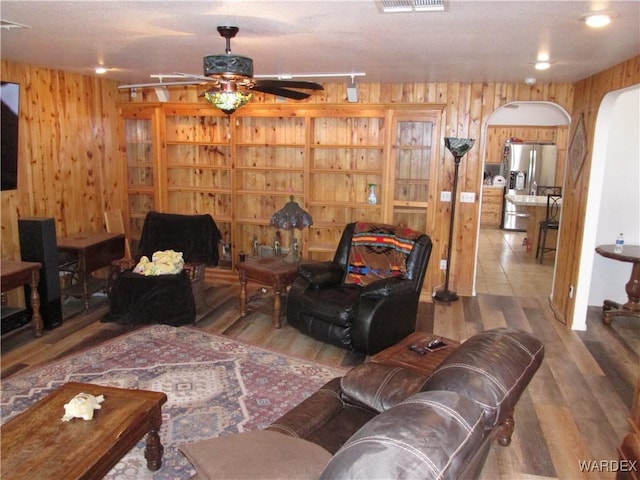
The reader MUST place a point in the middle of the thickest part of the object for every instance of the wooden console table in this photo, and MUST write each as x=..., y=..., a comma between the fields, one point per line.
x=16, y=274
x=400, y=354
x=94, y=251
x=38, y=444
x=272, y=271
x=611, y=309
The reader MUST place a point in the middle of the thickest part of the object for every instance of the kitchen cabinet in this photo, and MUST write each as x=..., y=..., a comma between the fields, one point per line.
x=491, y=211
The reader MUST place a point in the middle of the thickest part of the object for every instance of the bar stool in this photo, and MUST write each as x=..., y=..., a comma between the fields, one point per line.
x=551, y=222
x=549, y=190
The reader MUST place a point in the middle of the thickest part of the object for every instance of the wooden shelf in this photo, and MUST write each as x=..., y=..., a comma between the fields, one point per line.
x=243, y=168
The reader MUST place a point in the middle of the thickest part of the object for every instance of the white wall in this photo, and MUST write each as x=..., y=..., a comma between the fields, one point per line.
x=613, y=203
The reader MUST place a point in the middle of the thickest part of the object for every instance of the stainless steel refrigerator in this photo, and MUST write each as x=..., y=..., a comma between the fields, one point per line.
x=528, y=165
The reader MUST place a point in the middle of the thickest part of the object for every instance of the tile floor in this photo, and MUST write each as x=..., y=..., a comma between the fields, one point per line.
x=506, y=268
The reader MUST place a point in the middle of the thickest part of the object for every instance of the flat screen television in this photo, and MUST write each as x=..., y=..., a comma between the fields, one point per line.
x=10, y=101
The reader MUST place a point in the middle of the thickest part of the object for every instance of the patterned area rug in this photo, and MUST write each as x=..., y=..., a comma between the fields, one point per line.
x=215, y=386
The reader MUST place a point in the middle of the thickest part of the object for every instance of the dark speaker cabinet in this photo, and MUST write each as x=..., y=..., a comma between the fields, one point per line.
x=38, y=244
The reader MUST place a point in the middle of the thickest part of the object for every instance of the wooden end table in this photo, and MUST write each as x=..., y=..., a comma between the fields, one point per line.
x=16, y=274
x=272, y=271
x=611, y=309
x=400, y=354
x=94, y=251
x=38, y=444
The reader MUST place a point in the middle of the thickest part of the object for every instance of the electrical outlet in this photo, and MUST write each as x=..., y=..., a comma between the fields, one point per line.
x=467, y=197
x=443, y=264
x=445, y=196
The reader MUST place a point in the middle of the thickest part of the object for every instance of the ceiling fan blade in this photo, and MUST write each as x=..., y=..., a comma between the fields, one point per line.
x=281, y=92
x=290, y=84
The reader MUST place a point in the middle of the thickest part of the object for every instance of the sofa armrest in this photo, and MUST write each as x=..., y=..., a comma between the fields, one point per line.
x=322, y=274
x=378, y=386
x=312, y=412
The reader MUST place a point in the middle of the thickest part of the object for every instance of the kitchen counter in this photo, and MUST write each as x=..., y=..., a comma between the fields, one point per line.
x=537, y=210
x=528, y=200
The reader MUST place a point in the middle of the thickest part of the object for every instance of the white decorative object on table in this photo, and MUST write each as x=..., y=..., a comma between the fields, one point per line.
x=82, y=406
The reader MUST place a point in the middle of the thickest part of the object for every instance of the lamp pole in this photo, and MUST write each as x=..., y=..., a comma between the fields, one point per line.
x=458, y=147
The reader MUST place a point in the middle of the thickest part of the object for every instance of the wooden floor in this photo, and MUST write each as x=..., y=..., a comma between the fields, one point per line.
x=575, y=408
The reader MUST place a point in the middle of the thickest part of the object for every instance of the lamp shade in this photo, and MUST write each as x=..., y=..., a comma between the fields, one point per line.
x=458, y=146
x=291, y=216
x=227, y=101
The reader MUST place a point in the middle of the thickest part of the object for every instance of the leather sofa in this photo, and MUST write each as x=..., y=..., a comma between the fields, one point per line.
x=383, y=421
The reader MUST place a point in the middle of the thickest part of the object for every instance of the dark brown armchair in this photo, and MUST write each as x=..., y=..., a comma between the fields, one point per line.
x=171, y=299
x=367, y=298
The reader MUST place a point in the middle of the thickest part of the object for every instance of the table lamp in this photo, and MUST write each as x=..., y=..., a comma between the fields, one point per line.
x=289, y=217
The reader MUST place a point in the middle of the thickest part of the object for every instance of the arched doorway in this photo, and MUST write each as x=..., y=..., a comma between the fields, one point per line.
x=503, y=266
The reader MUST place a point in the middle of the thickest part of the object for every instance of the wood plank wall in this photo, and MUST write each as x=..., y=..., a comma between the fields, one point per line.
x=468, y=107
x=67, y=152
x=587, y=99
x=69, y=156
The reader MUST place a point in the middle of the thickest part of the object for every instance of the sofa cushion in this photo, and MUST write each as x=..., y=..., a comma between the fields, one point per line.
x=430, y=435
x=335, y=306
x=492, y=368
x=323, y=418
x=378, y=386
x=251, y=455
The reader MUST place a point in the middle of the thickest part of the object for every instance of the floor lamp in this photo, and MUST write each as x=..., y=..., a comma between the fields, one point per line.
x=458, y=147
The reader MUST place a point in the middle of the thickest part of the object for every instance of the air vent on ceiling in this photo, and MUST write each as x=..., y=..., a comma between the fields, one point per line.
x=7, y=25
x=396, y=6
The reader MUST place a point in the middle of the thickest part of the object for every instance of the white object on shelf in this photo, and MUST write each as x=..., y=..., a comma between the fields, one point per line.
x=499, y=181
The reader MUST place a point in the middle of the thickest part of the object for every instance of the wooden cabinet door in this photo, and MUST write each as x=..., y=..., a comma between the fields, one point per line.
x=141, y=165
x=412, y=169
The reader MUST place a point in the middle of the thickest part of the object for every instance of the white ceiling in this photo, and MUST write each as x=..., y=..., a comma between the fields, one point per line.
x=471, y=41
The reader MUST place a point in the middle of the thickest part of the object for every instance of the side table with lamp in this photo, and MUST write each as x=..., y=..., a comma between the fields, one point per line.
x=278, y=271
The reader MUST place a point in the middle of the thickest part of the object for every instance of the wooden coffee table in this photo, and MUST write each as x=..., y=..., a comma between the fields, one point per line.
x=400, y=354
x=272, y=271
x=38, y=444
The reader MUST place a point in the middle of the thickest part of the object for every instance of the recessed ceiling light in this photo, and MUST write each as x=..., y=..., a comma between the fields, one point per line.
x=100, y=69
x=597, y=19
x=542, y=65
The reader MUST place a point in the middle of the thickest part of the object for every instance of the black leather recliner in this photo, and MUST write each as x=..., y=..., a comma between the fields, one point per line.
x=366, y=318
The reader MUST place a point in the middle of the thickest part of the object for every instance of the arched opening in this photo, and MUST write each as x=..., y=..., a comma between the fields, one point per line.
x=613, y=187
x=505, y=262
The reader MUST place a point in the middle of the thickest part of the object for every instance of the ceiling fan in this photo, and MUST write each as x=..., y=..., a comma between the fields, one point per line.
x=232, y=79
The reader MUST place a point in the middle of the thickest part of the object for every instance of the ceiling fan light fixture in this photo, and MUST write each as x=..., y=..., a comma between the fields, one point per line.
x=229, y=99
